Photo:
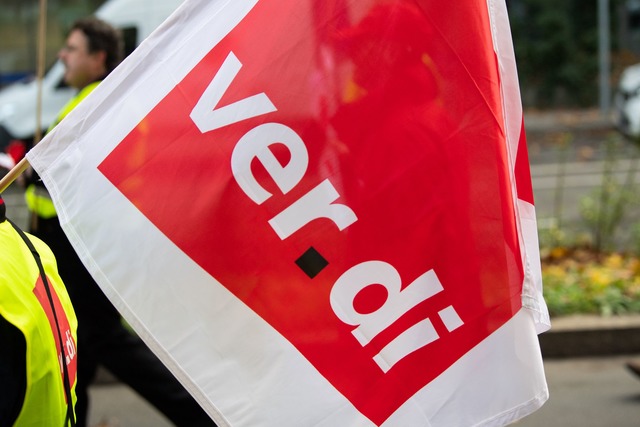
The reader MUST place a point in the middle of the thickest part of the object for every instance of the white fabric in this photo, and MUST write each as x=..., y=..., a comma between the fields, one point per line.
x=510, y=89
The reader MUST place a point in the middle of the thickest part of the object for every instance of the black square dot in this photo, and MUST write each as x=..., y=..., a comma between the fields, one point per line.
x=311, y=262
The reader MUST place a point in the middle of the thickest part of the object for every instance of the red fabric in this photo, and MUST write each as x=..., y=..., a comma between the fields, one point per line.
x=68, y=351
x=16, y=149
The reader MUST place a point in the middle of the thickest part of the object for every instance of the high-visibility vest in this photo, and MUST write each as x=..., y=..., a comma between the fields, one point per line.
x=48, y=323
x=38, y=200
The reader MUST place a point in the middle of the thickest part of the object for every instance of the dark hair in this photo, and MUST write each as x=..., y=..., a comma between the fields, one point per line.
x=101, y=36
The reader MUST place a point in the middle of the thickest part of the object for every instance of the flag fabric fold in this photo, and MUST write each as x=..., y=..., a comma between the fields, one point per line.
x=317, y=213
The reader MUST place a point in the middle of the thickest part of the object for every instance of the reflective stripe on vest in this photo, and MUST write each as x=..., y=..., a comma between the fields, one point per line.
x=39, y=202
x=23, y=304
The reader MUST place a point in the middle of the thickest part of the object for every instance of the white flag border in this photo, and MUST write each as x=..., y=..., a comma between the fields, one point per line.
x=532, y=297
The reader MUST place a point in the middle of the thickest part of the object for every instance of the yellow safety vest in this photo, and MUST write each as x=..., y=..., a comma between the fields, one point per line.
x=38, y=199
x=48, y=323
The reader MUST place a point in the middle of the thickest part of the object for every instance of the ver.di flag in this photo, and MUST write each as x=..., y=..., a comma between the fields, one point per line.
x=317, y=213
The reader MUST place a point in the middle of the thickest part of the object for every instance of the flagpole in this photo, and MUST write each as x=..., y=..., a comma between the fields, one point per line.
x=13, y=174
x=23, y=164
x=42, y=30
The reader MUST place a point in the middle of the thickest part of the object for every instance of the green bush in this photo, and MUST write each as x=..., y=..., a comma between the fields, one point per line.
x=582, y=282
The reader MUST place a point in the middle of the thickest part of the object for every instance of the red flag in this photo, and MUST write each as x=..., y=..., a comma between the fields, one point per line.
x=346, y=171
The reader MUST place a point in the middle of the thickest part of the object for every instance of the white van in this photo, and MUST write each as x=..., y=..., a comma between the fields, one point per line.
x=135, y=18
x=626, y=102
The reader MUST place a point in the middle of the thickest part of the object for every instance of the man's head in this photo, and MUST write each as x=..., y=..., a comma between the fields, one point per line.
x=92, y=50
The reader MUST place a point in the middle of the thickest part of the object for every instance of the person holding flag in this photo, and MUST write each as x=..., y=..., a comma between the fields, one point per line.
x=37, y=333
x=92, y=50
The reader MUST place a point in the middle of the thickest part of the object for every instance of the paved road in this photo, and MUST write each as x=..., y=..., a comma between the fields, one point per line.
x=116, y=405
x=588, y=393
x=592, y=392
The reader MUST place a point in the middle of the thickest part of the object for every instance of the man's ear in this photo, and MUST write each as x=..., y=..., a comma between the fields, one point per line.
x=100, y=56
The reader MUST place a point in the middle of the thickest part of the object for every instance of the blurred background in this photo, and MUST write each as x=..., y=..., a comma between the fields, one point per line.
x=556, y=43
x=580, y=88
x=19, y=33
